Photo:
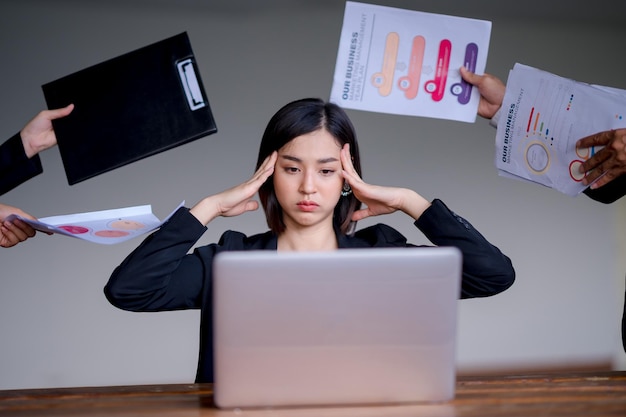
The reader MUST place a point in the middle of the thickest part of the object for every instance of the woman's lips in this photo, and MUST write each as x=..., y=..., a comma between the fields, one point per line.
x=307, y=205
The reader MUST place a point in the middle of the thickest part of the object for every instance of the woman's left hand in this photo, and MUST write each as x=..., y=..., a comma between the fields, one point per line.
x=378, y=199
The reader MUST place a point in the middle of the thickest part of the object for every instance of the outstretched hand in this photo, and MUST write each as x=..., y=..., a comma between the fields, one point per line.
x=609, y=162
x=491, y=91
x=38, y=134
x=236, y=200
x=15, y=231
x=378, y=199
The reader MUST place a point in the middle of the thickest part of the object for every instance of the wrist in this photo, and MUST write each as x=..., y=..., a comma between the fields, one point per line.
x=28, y=149
x=493, y=122
x=205, y=210
x=414, y=204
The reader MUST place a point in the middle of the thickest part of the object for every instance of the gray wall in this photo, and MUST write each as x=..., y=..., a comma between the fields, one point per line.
x=56, y=327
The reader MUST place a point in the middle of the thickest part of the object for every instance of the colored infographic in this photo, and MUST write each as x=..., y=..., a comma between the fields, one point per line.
x=105, y=227
x=541, y=120
x=407, y=62
x=410, y=82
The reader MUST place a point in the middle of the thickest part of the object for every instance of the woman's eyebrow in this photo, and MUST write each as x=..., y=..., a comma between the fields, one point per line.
x=319, y=161
x=291, y=158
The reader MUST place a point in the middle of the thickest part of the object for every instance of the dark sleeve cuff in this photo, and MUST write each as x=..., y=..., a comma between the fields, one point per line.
x=438, y=217
x=15, y=166
x=183, y=221
x=610, y=192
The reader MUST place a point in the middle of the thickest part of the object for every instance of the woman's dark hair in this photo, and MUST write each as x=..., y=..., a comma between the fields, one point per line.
x=296, y=119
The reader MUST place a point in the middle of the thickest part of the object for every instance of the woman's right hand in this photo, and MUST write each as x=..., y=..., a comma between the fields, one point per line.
x=236, y=200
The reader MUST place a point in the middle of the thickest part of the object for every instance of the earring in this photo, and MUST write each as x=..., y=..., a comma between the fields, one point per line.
x=346, y=190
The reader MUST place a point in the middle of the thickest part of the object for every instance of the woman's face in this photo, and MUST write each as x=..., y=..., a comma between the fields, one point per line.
x=308, y=179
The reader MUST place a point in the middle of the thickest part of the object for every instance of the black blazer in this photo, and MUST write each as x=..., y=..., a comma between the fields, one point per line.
x=160, y=275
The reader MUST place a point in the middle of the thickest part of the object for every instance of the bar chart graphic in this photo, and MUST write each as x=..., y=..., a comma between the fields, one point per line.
x=542, y=120
x=547, y=123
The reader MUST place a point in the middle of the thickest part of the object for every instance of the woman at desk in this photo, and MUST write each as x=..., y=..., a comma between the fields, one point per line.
x=308, y=177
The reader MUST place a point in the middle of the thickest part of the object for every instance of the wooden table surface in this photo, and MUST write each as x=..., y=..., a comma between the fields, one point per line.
x=551, y=394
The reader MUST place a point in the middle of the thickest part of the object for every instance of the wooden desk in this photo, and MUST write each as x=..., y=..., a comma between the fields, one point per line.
x=580, y=394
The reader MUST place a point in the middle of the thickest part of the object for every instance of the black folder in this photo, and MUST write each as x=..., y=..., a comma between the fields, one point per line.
x=130, y=107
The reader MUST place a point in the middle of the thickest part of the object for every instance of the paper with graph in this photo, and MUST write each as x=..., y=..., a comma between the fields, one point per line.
x=106, y=227
x=541, y=118
x=407, y=62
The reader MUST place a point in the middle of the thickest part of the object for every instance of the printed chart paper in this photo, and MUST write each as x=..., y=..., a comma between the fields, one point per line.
x=541, y=119
x=106, y=227
x=407, y=62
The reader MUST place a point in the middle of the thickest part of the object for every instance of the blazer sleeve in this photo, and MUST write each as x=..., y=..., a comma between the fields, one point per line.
x=15, y=166
x=610, y=192
x=160, y=275
x=486, y=270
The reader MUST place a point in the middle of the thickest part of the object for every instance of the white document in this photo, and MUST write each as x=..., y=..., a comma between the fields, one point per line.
x=407, y=62
x=542, y=116
x=105, y=227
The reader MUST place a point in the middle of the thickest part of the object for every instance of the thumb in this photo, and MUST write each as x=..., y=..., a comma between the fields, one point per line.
x=360, y=215
x=62, y=112
x=251, y=205
x=469, y=76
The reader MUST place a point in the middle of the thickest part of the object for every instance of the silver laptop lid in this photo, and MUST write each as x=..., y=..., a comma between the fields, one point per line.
x=353, y=326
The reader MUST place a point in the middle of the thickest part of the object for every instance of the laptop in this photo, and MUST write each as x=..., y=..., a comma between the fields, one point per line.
x=130, y=107
x=347, y=327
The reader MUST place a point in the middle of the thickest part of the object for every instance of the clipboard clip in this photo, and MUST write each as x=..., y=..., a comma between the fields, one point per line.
x=189, y=80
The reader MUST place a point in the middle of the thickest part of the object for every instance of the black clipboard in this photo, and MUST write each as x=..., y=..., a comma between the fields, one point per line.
x=130, y=107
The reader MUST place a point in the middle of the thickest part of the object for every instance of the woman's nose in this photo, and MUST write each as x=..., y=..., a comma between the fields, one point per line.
x=308, y=184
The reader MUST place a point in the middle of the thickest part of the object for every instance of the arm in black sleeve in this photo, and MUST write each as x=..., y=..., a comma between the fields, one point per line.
x=486, y=270
x=159, y=275
x=15, y=166
x=610, y=192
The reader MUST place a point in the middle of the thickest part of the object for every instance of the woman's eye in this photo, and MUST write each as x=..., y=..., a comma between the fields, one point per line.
x=327, y=171
x=291, y=169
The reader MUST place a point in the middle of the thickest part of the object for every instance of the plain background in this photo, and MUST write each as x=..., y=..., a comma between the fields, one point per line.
x=57, y=328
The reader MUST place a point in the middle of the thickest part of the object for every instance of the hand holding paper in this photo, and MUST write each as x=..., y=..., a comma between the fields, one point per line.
x=542, y=118
x=106, y=227
x=608, y=163
x=491, y=91
x=13, y=232
x=407, y=62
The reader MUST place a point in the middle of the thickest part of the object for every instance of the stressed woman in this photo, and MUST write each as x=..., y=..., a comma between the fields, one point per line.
x=308, y=178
